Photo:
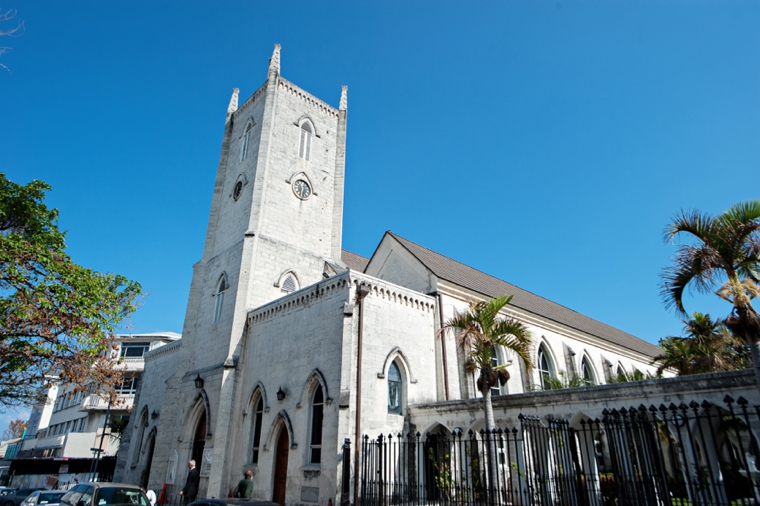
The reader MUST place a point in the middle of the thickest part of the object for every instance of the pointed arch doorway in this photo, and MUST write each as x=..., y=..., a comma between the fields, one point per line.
x=149, y=460
x=199, y=440
x=281, y=467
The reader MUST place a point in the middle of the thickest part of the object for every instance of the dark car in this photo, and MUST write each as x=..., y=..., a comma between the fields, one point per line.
x=44, y=497
x=104, y=494
x=17, y=497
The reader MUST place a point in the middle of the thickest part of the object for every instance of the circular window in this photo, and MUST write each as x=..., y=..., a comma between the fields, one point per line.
x=302, y=189
x=238, y=190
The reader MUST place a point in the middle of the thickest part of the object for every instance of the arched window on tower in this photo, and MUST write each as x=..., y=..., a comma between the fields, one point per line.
x=289, y=284
x=219, y=299
x=307, y=132
x=246, y=140
x=257, y=419
x=545, y=369
x=395, y=389
x=315, y=441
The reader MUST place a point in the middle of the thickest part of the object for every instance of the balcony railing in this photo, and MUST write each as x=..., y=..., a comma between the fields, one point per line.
x=97, y=402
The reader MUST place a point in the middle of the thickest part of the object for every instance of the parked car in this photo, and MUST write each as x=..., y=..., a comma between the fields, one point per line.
x=46, y=497
x=6, y=490
x=17, y=497
x=104, y=494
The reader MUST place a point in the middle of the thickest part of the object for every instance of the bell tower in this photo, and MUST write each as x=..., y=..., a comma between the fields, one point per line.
x=275, y=226
x=277, y=210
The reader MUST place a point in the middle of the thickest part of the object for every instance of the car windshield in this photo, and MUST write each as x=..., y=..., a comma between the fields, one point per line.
x=119, y=495
x=50, y=497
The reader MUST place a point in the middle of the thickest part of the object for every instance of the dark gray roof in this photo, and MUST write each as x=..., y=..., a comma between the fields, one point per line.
x=353, y=261
x=473, y=279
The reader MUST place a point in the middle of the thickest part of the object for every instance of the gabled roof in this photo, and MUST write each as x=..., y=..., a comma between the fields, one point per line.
x=353, y=261
x=472, y=279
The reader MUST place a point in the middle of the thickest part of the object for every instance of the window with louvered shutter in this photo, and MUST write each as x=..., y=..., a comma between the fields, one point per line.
x=246, y=141
x=289, y=285
x=219, y=296
x=304, y=150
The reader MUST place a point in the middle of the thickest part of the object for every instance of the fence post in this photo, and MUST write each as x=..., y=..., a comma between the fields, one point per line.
x=345, y=498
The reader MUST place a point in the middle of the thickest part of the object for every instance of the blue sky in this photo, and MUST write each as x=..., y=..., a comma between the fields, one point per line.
x=546, y=143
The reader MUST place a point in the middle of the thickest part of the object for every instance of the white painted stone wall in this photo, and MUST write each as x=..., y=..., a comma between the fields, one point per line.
x=132, y=461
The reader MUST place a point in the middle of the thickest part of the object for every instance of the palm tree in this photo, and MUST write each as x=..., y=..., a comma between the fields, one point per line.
x=724, y=259
x=707, y=346
x=480, y=330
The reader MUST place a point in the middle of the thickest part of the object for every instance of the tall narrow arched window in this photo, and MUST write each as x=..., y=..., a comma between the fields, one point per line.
x=496, y=360
x=587, y=372
x=307, y=132
x=395, y=389
x=257, y=419
x=246, y=141
x=219, y=300
x=317, y=415
x=545, y=369
x=620, y=374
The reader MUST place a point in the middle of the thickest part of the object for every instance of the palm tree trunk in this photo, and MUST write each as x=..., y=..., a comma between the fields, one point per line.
x=489, y=442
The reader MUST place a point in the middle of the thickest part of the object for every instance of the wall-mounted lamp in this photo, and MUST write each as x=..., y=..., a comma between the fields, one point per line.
x=280, y=394
x=153, y=415
x=198, y=381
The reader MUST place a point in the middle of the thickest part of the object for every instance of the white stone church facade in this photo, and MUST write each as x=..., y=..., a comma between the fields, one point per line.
x=291, y=344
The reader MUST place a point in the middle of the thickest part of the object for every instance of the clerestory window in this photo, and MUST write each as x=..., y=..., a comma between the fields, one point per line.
x=545, y=369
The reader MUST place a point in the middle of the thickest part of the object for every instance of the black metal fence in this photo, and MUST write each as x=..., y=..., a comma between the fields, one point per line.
x=695, y=454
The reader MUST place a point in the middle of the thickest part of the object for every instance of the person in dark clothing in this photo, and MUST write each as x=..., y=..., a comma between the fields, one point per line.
x=190, y=491
x=244, y=489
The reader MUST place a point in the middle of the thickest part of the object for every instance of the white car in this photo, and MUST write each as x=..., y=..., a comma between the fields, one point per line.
x=46, y=497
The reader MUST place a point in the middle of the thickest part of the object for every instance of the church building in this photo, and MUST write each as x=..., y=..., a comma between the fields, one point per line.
x=291, y=345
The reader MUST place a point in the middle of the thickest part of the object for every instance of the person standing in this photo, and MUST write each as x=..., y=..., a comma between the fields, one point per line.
x=190, y=491
x=150, y=495
x=244, y=489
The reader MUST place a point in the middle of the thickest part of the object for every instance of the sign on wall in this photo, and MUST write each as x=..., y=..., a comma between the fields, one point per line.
x=206, y=464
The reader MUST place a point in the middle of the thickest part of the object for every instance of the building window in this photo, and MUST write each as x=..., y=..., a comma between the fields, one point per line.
x=587, y=372
x=498, y=388
x=317, y=406
x=219, y=300
x=127, y=385
x=394, y=389
x=545, y=369
x=246, y=141
x=257, y=418
x=620, y=374
x=289, y=285
x=134, y=350
x=307, y=131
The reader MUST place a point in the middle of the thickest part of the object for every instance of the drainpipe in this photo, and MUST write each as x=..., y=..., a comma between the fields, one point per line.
x=361, y=293
x=443, y=346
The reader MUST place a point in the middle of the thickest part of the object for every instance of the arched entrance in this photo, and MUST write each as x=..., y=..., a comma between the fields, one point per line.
x=281, y=467
x=149, y=461
x=199, y=441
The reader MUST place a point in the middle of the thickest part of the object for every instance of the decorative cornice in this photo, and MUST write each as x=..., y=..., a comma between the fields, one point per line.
x=307, y=97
